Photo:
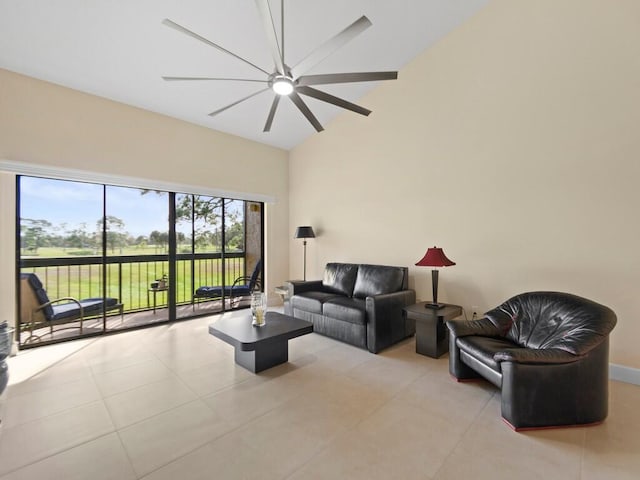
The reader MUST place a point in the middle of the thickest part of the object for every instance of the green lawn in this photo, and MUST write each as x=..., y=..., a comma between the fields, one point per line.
x=129, y=282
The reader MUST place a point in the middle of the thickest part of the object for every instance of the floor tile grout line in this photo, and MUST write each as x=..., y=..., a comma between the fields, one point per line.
x=49, y=367
x=146, y=418
x=352, y=428
x=464, y=433
x=126, y=453
x=92, y=439
x=219, y=437
x=197, y=447
x=66, y=409
x=152, y=382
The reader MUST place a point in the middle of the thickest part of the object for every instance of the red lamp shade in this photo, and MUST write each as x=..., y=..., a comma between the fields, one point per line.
x=435, y=257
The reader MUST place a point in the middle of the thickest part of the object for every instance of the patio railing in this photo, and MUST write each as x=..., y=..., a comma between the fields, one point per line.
x=128, y=277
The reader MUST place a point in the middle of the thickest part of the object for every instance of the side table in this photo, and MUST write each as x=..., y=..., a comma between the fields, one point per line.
x=432, y=335
x=155, y=292
x=282, y=291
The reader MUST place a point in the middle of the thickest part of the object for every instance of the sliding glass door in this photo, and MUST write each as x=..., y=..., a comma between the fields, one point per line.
x=124, y=257
x=136, y=224
x=60, y=250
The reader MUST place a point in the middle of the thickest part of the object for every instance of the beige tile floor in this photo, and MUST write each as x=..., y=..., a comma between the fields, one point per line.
x=169, y=403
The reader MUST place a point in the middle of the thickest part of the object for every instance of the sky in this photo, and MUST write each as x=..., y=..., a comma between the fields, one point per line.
x=73, y=203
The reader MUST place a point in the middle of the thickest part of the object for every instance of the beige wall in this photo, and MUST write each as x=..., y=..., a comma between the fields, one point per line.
x=513, y=144
x=52, y=126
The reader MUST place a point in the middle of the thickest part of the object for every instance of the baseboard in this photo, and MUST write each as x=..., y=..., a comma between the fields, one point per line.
x=624, y=374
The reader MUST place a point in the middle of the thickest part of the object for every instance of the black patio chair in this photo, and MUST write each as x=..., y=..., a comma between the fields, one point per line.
x=37, y=310
x=241, y=287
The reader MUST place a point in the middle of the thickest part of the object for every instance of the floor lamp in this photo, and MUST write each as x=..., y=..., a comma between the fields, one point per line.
x=304, y=232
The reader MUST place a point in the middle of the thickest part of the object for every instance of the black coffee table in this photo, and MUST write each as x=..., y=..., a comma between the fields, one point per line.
x=259, y=348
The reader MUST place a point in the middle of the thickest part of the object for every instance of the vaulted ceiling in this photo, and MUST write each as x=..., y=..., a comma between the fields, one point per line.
x=120, y=50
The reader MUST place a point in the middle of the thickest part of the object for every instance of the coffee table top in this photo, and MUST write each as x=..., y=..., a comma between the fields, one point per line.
x=239, y=332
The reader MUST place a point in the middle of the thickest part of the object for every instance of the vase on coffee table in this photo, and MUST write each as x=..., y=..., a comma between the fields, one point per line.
x=258, y=308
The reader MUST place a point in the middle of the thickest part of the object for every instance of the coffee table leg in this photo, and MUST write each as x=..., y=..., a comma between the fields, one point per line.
x=264, y=357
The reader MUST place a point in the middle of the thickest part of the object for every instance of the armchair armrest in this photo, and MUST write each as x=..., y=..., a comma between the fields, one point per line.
x=536, y=356
x=63, y=299
x=386, y=320
x=245, y=280
x=482, y=327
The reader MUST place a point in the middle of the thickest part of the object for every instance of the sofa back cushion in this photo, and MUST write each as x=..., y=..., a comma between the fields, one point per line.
x=379, y=279
x=553, y=320
x=340, y=278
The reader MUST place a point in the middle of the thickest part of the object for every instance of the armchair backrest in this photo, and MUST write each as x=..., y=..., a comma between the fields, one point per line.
x=553, y=320
x=32, y=296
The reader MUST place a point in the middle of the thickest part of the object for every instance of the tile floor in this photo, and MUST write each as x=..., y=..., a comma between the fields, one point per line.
x=128, y=320
x=169, y=402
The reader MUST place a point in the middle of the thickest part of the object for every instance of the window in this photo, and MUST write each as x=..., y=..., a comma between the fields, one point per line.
x=129, y=256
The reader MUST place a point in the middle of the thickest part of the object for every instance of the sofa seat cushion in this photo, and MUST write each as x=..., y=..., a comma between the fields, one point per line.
x=350, y=310
x=311, y=301
x=90, y=306
x=483, y=349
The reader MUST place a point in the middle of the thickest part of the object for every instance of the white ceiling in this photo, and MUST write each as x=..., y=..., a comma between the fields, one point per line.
x=119, y=49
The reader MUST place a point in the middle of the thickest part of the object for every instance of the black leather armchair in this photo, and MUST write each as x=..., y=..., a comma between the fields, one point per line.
x=548, y=352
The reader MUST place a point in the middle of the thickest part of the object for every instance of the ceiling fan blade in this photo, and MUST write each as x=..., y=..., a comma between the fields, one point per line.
x=339, y=102
x=295, y=98
x=346, y=78
x=212, y=114
x=269, y=28
x=173, y=79
x=272, y=112
x=186, y=31
x=330, y=46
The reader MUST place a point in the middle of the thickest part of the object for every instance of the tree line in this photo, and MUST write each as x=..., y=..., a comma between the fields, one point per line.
x=38, y=233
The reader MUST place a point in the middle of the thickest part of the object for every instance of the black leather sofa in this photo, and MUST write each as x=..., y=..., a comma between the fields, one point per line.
x=356, y=303
x=548, y=352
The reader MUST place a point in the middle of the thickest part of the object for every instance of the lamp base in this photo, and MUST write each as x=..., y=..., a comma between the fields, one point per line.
x=434, y=306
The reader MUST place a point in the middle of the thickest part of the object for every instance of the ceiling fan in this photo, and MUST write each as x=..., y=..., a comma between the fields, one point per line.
x=293, y=82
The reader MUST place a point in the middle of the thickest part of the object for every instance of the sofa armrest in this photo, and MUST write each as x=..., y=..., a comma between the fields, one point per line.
x=386, y=321
x=482, y=327
x=536, y=356
x=296, y=286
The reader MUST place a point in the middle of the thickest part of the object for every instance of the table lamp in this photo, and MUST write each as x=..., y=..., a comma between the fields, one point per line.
x=434, y=257
x=304, y=232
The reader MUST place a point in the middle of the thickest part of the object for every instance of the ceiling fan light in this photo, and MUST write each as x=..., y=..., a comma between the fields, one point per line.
x=282, y=86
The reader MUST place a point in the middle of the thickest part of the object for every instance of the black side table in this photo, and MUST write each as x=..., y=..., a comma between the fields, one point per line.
x=432, y=335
